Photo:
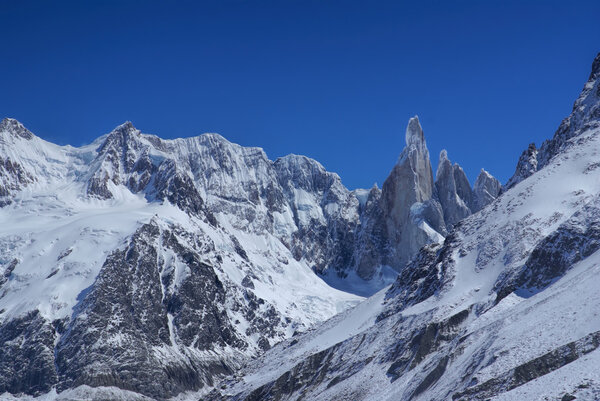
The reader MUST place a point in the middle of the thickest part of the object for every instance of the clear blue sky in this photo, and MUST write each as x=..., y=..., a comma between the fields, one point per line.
x=334, y=80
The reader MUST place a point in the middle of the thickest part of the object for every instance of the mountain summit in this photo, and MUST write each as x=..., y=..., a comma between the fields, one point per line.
x=12, y=126
x=412, y=209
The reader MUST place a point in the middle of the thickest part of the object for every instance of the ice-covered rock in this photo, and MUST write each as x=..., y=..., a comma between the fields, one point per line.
x=453, y=191
x=181, y=338
x=323, y=210
x=10, y=126
x=485, y=190
x=526, y=166
x=410, y=182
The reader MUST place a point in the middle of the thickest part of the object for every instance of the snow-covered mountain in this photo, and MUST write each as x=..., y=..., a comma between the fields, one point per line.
x=506, y=308
x=148, y=265
x=160, y=266
x=137, y=267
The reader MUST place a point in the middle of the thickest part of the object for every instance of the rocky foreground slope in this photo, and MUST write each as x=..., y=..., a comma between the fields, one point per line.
x=506, y=308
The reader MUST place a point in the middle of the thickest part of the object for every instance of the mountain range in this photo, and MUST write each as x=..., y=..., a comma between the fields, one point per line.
x=143, y=268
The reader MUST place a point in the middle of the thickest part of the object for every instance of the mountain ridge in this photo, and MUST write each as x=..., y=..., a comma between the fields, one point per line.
x=82, y=217
x=105, y=248
x=127, y=157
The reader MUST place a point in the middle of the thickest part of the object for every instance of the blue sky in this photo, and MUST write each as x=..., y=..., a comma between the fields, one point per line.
x=333, y=80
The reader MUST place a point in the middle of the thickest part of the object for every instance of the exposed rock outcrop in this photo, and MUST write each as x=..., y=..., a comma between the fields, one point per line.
x=13, y=176
x=526, y=166
x=485, y=190
x=27, y=355
x=324, y=212
x=584, y=116
x=453, y=191
x=14, y=127
x=156, y=322
x=409, y=183
x=412, y=210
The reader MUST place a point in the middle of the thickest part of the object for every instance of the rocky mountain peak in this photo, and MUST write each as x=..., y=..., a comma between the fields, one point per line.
x=595, y=68
x=483, y=175
x=304, y=172
x=452, y=190
x=374, y=190
x=15, y=128
x=486, y=189
x=526, y=166
x=414, y=210
x=414, y=133
x=586, y=109
x=120, y=136
x=415, y=156
x=123, y=158
x=214, y=137
x=443, y=163
x=585, y=116
x=410, y=182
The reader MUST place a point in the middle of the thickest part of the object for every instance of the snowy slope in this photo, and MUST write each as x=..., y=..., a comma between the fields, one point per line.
x=292, y=351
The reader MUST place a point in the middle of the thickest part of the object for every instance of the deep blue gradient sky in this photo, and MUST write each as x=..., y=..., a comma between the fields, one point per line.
x=333, y=80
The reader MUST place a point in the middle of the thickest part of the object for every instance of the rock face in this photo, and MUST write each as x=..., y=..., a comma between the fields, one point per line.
x=13, y=177
x=155, y=320
x=127, y=158
x=453, y=191
x=485, y=190
x=324, y=211
x=526, y=166
x=574, y=240
x=413, y=210
x=13, y=127
x=409, y=183
x=27, y=355
x=371, y=238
